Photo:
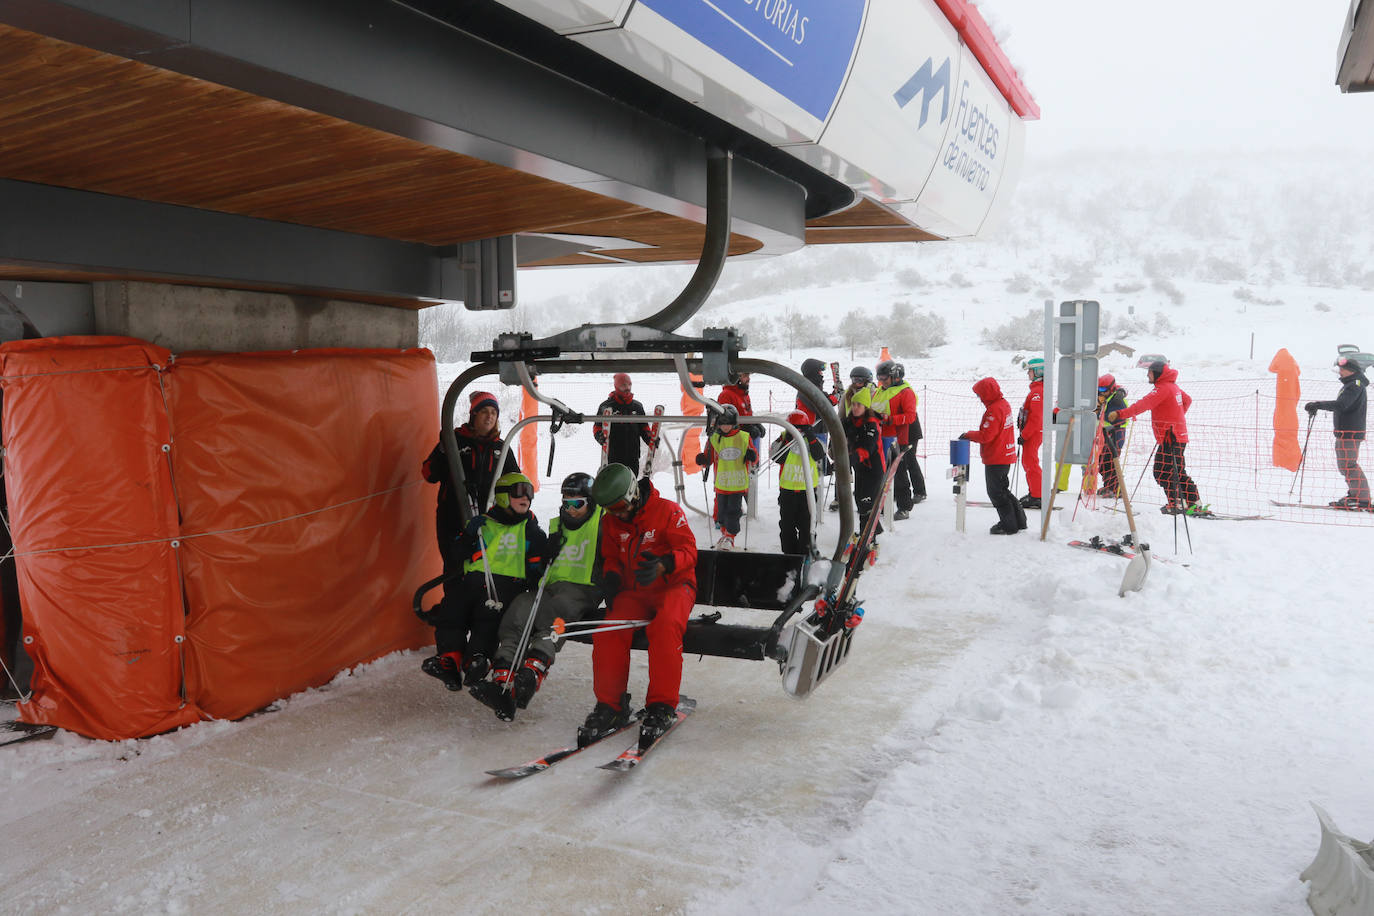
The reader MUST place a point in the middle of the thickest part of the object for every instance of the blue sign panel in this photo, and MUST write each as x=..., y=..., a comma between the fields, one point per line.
x=800, y=48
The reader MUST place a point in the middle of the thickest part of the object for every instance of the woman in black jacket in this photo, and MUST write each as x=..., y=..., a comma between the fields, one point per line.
x=1348, y=413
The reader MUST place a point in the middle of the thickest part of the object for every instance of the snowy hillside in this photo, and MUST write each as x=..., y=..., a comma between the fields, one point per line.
x=1009, y=736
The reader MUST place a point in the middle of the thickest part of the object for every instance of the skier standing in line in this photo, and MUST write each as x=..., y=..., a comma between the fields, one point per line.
x=649, y=556
x=1111, y=397
x=502, y=553
x=730, y=451
x=796, y=473
x=1348, y=425
x=863, y=436
x=621, y=440
x=997, y=447
x=895, y=402
x=1167, y=404
x=860, y=389
x=1030, y=429
x=572, y=590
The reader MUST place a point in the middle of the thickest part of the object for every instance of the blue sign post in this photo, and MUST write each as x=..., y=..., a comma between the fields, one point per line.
x=799, y=48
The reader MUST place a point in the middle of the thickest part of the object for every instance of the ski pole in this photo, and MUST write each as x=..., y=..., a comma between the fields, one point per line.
x=1148, y=463
x=562, y=628
x=1302, y=462
x=492, y=601
x=1016, y=471
x=509, y=685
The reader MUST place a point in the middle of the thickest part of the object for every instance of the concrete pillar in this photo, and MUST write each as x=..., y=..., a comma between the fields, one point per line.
x=183, y=318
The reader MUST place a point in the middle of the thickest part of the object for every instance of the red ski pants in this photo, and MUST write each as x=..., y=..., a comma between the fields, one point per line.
x=669, y=608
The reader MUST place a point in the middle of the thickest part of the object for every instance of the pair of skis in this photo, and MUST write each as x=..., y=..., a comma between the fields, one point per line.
x=653, y=442
x=1123, y=548
x=15, y=732
x=1327, y=506
x=627, y=760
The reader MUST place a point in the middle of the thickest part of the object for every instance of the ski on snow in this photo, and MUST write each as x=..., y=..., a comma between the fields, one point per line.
x=1123, y=548
x=1327, y=506
x=540, y=764
x=634, y=754
x=15, y=732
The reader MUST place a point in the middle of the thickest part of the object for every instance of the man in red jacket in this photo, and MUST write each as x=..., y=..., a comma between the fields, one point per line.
x=997, y=446
x=1031, y=422
x=649, y=560
x=1167, y=404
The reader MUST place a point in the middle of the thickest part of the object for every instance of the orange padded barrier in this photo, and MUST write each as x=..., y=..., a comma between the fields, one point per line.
x=274, y=543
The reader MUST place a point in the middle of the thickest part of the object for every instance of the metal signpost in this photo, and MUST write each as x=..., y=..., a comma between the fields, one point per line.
x=1072, y=332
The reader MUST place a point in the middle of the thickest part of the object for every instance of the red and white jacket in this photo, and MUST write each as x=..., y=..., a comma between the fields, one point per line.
x=660, y=528
x=995, y=435
x=1167, y=403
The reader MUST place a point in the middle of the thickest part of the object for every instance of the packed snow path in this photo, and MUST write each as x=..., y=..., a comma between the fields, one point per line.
x=1009, y=736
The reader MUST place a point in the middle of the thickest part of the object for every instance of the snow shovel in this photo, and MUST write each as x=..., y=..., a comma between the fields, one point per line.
x=1139, y=567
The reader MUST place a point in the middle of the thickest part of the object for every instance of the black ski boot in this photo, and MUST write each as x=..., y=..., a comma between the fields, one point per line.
x=658, y=718
x=496, y=694
x=476, y=669
x=602, y=720
x=1030, y=502
x=445, y=668
x=529, y=679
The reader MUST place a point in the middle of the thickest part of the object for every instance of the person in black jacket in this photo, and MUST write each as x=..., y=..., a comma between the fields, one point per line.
x=863, y=434
x=479, y=444
x=622, y=447
x=1348, y=418
x=1111, y=398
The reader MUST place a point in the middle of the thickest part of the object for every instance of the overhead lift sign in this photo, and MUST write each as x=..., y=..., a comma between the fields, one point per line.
x=799, y=48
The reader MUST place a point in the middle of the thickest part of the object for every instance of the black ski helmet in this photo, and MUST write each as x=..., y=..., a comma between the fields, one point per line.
x=812, y=369
x=897, y=372
x=861, y=374
x=728, y=416
x=615, y=483
x=885, y=367
x=577, y=483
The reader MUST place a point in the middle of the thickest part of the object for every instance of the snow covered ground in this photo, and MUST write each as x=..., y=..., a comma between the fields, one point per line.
x=1009, y=736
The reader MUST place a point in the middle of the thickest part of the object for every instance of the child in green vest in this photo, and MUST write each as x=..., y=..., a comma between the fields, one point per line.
x=572, y=590
x=502, y=553
x=796, y=473
x=731, y=452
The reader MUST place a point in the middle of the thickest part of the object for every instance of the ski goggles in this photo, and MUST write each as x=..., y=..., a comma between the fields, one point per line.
x=1346, y=362
x=575, y=502
x=1101, y=389
x=517, y=490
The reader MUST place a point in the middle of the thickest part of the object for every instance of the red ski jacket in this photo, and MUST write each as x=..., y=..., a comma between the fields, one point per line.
x=733, y=394
x=1032, y=423
x=659, y=527
x=995, y=437
x=901, y=414
x=1167, y=404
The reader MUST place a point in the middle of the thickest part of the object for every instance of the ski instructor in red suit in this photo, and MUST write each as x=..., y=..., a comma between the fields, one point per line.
x=649, y=561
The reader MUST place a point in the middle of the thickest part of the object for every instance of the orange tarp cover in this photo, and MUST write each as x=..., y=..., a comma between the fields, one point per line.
x=1287, y=390
x=200, y=536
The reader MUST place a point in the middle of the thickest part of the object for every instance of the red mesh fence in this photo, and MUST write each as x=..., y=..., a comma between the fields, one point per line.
x=1230, y=427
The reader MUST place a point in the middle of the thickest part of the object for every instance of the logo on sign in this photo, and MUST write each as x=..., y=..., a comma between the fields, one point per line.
x=926, y=82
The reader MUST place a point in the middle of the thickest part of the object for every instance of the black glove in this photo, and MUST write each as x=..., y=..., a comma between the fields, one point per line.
x=651, y=566
x=963, y=435
x=1311, y=408
x=700, y=459
x=610, y=585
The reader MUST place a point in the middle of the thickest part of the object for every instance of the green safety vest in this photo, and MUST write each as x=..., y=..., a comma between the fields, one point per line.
x=884, y=395
x=577, y=557
x=732, y=476
x=792, y=476
x=505, y=549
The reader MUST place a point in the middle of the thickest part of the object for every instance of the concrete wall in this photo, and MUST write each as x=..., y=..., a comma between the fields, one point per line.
x=184, y=318
x=56, y=309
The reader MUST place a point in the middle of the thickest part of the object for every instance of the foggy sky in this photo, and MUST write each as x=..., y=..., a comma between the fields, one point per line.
x=1237, y=75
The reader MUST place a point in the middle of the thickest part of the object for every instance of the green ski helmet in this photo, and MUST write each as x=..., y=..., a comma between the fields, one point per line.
x=615, y=484
x=1036, y=367
x=508, y=485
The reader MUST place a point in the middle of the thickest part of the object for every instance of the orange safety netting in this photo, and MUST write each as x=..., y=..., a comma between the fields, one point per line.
x=202, y=536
